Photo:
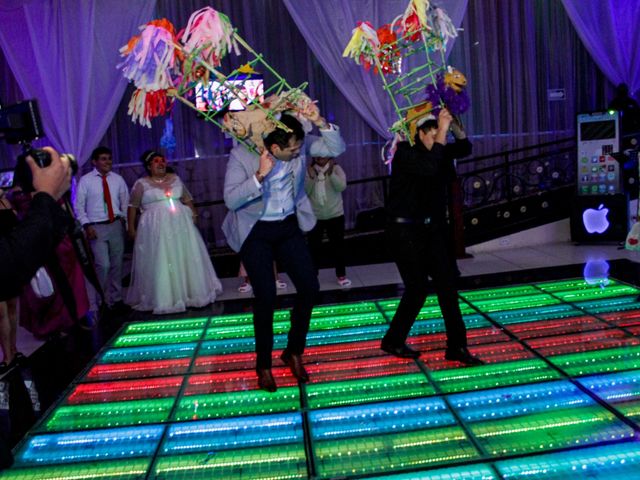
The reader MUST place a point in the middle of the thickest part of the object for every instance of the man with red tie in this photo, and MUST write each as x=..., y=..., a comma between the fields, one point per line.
x=101, y=201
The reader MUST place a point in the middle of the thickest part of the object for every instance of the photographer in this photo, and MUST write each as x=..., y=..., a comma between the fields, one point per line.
x=28, y=246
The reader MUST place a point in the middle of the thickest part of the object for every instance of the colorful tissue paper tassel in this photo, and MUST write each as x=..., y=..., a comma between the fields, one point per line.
x=209, y=33
x=389, y=56
x=443, y=26
x=414, y=19
x=145, y=105
x=150, y=57
x=364, y=45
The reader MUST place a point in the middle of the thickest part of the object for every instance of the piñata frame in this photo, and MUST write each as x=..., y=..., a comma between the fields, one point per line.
x=166, y=67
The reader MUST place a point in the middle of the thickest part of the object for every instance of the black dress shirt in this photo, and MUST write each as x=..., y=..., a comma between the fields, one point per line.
x=419, y=179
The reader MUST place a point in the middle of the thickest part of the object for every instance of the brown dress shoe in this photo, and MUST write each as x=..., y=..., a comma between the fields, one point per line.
x=294, y=362
x=265, y=380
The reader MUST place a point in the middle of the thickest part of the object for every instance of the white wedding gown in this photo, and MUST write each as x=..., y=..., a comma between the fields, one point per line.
x=171, y=268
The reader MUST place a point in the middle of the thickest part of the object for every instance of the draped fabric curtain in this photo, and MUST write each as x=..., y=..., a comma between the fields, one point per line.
x=513, y=53
x=64, y=54
x=326, y=27
x=609, y=31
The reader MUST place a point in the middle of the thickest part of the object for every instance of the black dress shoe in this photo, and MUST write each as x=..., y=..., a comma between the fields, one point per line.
x=462, y=355
x=265, y=380
x=402, y=351
x=294, y=362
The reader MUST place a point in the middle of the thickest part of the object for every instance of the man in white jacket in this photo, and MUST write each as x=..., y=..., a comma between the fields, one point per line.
x=268, y=211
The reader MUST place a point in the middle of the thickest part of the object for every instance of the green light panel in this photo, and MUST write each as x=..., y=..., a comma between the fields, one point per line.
x=497, y=375
x=599, y=361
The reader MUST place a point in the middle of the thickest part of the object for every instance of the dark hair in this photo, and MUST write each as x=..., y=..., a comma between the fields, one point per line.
x=281, y=137
x=100, y=151
x=425, y=127
x=146, y=158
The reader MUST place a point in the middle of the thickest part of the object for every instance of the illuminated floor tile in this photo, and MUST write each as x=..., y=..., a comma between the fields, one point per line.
x=133, y=469
x=125, y=390
x=112, y=414
x=236, y=404
x=531, y=418
x=490, y=376
x=476, y=336
x=239, y=380
x=621, y=462
x=620, y=390
x=471, y=472
x=368, y=390
x=489, y=353
x=630, y=318
x=232, y=434
x=151, y=368
x=359, y=369
x=599, y=361
x=582, y=342
x=130, y=442
x=286, y=461
x=392, y=451
x=560, y=326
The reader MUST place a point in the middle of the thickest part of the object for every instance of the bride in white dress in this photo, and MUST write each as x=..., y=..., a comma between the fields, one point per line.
x=171, y=268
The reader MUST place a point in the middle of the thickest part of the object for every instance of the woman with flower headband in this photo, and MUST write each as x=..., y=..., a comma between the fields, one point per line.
x=171, y=269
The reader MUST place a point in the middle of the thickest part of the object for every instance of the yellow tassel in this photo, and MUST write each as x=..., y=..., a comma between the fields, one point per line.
x=354, y=47
x=421, y=7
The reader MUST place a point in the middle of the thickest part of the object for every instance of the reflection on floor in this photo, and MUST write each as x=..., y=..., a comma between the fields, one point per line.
x=559, y=396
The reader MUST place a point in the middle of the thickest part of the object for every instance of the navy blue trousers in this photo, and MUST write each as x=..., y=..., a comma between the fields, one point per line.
x=283, y=242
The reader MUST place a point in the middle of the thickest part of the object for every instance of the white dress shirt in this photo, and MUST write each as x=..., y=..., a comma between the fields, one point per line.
x=89, y=205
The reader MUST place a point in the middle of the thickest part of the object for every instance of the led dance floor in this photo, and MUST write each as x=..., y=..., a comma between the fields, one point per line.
x=558, y=398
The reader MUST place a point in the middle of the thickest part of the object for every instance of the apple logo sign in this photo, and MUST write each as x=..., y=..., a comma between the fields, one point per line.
x=595, y=221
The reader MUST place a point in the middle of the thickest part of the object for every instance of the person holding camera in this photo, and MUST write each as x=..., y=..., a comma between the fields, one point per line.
x=102, y=198
x=57, y=298
x=28, y=245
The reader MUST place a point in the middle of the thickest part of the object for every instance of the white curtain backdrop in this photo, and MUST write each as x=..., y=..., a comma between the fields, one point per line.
x=609, y=31
x=64, y=53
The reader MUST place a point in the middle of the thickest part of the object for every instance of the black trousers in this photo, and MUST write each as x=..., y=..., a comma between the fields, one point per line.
x=421, y=251
x=335, y=232
x=281, y=241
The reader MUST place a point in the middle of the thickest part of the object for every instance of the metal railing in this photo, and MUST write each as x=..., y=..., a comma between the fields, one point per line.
x=498, y=178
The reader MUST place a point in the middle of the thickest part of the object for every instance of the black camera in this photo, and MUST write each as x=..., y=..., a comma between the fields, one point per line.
x=20, y=123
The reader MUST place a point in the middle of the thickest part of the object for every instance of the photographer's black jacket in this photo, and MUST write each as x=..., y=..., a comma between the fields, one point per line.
x=419, y=179
x=30, y=244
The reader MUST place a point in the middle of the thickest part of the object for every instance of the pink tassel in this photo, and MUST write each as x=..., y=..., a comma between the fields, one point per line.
x=210, y=31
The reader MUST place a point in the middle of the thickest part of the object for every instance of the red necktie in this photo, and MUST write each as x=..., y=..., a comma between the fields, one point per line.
x=107, y=198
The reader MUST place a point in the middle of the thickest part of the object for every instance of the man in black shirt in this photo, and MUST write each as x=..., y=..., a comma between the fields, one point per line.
x=417, y=233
